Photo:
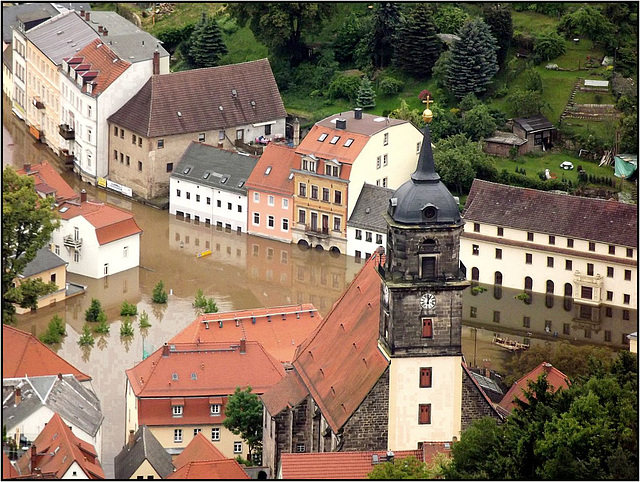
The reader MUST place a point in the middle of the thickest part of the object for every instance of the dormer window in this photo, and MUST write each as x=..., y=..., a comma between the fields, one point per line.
x=330, y=170
x=186, y=170
x=323, y=136
x=215, y=409
x=309, y=165
x=177, y=410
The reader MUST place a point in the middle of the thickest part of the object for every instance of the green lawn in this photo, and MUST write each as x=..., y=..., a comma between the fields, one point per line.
x=532, y=22
x=593, y=98
x=183, y=14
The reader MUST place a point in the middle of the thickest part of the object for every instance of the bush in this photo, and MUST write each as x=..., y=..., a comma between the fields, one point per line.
x=55, y=331
x=93, y=311
x=102, y=327
x=86, y=339
x=344, y=87
x=159, y=295
x=128, y=309
x=126, y=328
x=144, y=320
x=390, y=86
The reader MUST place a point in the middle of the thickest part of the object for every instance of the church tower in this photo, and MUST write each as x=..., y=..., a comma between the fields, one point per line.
x=421, y=307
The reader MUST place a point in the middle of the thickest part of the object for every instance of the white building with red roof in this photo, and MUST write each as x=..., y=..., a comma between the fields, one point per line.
x=96, y=239
x=182, y=389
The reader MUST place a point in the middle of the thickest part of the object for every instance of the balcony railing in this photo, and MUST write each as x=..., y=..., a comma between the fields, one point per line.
x=320, y=233
x=66, y=156
x=71, y=242
x=67, y=132
x=583, y=278
x=37, y=102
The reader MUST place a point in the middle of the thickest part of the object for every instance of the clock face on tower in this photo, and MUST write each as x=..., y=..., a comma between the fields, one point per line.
x=428, y=301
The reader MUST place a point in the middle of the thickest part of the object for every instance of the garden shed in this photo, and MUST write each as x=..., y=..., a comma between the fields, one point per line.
x=537, y=130
x=501, y=143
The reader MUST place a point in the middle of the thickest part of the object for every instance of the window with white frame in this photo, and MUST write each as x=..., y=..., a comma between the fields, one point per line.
x=285, y=224
x=57, y=250
x=256, y=219
x=378, y=162
x=214, y=408
x=285, y=203
x=256, y=197
x=196, y=431
x=215, y=434
x=106, y=269
x=125, y=252
x=177, y=410
x=177, y=435
x=237, y=447
x=301, y=448
x=309, y=165
x=89, y=135
x=337, y=223
x=386, y=139
x=271, y=222
x=270, y=200
x=385, y=159
x=76, y=256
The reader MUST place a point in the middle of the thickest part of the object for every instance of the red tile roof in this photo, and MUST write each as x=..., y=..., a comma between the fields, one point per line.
x=199, y=449
x=219, y=367
x=287, y=393
x=278, y=329
x=111, y=223
x=555, y=378
x=47, y=180
x=24, y=355
x=281, y=160
x=325, y=150
x=99, y=57
x=155, y=412
x=210, y=470
x=609, y=222
x=336, y=465
x=341, y=362
x=197, y=94
x=57, y=438
x=8, y=470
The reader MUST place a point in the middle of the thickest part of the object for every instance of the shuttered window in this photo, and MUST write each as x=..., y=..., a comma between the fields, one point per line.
x=427, y=328
x=425, y=377
x=424, y=415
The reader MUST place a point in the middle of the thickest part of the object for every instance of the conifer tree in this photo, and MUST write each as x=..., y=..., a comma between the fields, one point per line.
x=417, y=47
x=366, y=96
x=207, y=47
x=498, y=18
x=473, y=61
x=386, y=20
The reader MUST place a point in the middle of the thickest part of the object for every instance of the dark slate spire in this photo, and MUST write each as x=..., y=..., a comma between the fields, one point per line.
x=426, y=170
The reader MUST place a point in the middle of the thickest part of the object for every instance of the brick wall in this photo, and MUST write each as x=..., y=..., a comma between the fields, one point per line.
x=474, y=405
x=367, y=428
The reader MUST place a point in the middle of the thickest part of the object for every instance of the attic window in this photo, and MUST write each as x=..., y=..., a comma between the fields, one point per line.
x=174, y=376
x=241, y=183
x=206, y=175
x=335, y=140
x=290, y=176
x=64, y=209
x=323, y=136
x=348, y=142
x=221, y=108
x=179, y=114
x=253, y=104
x=186, y=170
x=224, y=179
x=234, y=93
x=267, y=171
x=194, y=376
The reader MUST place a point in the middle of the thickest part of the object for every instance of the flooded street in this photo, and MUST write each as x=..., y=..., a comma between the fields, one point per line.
x=244, y=272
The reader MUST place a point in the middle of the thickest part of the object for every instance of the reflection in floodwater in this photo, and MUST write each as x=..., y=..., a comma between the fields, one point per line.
x=246, y=272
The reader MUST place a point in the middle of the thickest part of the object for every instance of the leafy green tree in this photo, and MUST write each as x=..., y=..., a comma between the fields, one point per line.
x=440, y=68
x=243, y=416
x=128, y=309
x=473, y=60
x=497, y=16
x=211, y=306
x=366, y=96
x=92, y=313
x=144, y=320
x=386, y=21
x=629, y=133
x=445, y=123
x=159, y=295
x=86, y=339
x=449, y=18
x=27, y=293
x=547, y=46
x=344, y=87
x=283, y=26
x=206, y=46
x=525, y=103
x=417, y=48
x=532, y=80
x=587, y=21
x=404, y=112
x=27, y=224
x=102, y=327
x=55, y=331
x=454, y=157
x=348, y=36
x=402, y=468
x=201, y=299
x=478, y=122
x=126, y=327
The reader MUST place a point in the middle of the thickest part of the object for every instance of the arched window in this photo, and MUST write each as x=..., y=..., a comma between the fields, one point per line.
x=568, y=297
x=475, y=274
x=568, y=289
x=549, y=286
x=497, y=285
x=528, y=283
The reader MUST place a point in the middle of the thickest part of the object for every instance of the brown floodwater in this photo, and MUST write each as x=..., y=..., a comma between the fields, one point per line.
x=245, y=272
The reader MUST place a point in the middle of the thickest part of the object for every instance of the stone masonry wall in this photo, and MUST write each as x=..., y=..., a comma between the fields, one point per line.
x=474, y=405
x=368, y=427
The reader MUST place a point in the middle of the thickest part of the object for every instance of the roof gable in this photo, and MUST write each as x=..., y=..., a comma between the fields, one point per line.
x=555, y=378
x=211, y=469
x=106, y=64
x=558, y=214
x=145, y=447
x=23, y=354
x=319, y=142
x=341, y=362
x=48, y=180
x=272, y=172
x=205, y=100
x=45, y=260
x=198, y=450
x=372, y=202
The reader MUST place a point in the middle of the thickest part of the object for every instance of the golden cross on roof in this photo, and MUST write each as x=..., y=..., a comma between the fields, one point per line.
x=427, y=115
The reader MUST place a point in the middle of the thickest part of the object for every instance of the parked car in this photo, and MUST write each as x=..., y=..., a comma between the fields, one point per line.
x=566, y=165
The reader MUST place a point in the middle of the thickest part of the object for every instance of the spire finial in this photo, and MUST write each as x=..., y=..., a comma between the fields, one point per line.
x=427, y=115
x=426, y=170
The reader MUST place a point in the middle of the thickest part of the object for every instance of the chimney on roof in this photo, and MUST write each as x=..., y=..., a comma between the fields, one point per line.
x=165, y=350
x=156, y=62
x=105, y=32
x=547, y=367
x=34, y=458
x=18, y=395
x=27, y=168
x=131, y=438
x=82, y=12
x=87, y=16
x=243, y=346
x=357, y=113
x=486, y=367
x=100, y=28
x=341, y=124
x=83, y=196
x=296, y=132
x=59, y=376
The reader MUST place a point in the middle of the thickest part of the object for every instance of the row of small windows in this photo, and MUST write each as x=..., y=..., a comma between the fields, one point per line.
x=335, y=139
x=314, y=226
x=178, y=410
x=119, y=155
x=552, y=241
x=215, y=437
x=368, y=236
x=270, y=200
x=326, y=193
x=208, y=200
x=271, y=222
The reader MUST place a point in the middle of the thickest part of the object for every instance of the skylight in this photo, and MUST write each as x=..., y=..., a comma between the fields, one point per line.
x=267, y=171
x=348, y=142
x=186, y=170
x=206, y=175
x=323, y=136
x=290, y=176
x=224, y=179
x=64, y=209
x=241, y=183
x=335, y=140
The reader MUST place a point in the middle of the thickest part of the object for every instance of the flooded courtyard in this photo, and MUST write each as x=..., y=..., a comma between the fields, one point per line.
x=246, y=272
